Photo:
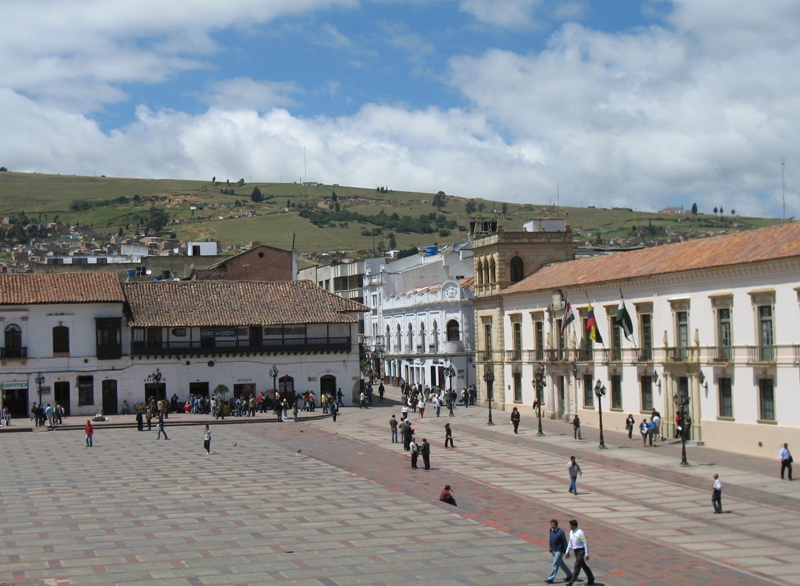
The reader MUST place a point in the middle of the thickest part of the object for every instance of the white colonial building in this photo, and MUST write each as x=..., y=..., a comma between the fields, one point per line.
x=715, y=320
x=92, y=342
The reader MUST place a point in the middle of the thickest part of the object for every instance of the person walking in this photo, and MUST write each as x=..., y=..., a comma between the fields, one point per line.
x=414, y=454
x=381, y=391
x=574, y=469
x=643, y=429
x=446, y=496
x=515, y=417
x=629, y=423
x=160, y=428
x=139, y=420
x=294, y=411
x=393, y=427
x=334, y=409
x=786, y=460
x=558, y=547
x=408, y=435
x=149, y=417
x=89, y=429
x=577, y=543
x=425, y=450
x=6, y=416
x=207, y=439
x=448, y=435
x=716, y=495
x=421, y=406
x=576, y=427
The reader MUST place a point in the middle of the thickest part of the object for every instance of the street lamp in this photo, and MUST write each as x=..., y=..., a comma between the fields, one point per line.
x=488, y=376
x=600, y=390
x=682, y=401
x=449, y=372
x=273, y=372
x=539, y=384
x=39, y=380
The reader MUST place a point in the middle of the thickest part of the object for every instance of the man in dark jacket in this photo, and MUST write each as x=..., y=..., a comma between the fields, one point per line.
x=408, y=433
x=558, y=545
x=425, y=452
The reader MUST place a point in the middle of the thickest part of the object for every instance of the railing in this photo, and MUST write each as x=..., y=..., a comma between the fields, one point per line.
x=21, y=352
x=322, y=344
x=514, y=355
x=761, y=354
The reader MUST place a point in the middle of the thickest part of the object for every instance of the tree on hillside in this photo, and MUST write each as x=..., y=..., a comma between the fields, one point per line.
x=694, y=209
x=3, y=170
x=481, y=207
x=720, y=211
x=715, y=210
x=256, y=196
x=334, y=197
x=504, y=208
x=470, y=207
x=157, y=220
x=439, y=200
x=392, y=240
x=733, y=212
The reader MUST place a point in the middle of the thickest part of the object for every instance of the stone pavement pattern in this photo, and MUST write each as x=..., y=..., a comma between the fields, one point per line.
x=347, y=509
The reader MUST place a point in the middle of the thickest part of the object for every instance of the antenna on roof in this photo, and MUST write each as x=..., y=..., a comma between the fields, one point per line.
x=783, y=187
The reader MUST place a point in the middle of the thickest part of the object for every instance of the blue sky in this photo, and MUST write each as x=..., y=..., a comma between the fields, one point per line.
x=639, y=104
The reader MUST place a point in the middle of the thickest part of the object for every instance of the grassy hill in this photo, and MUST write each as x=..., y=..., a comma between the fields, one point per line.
x=199, y=210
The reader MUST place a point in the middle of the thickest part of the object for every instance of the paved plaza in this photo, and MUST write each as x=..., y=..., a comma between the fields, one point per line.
x=324, y=503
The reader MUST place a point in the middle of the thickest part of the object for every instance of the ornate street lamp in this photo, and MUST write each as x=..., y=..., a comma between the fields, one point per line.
x=450, y=372
x=273, y=372
x=539, y=383
x=488, y=376
x=39, y=380
x=682, y=401
x=600, y=390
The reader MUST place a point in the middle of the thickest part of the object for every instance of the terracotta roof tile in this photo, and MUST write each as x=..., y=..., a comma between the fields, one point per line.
x=235, y=303
x=763, y=244
x=24, y=289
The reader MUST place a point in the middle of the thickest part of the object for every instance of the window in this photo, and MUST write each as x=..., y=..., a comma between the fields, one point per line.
x=518, y=387
x=13, y=342
x=766, y=396
x=60, y=340
x=616, y=390
x=724, y=333
x=539, y=339
x=647, y=393
x=588, y=344
x=765, y=333
x=487, y=329
x=516, y=267
x=616, y=343
x=109, y=338
x=517, y=341
x=588, y=391
x=682, y=325
x=560, y=333
x=399, y=344
x=410, y=346
x=86, y=390
x=422, y=338
x=388, y=339
x=646, y=321
x=453, y=333
x=725, y=398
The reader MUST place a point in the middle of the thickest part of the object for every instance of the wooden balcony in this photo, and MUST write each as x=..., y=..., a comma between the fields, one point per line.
x=322, y=345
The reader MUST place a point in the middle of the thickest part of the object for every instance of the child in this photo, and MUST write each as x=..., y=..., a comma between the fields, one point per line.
x=207, y=439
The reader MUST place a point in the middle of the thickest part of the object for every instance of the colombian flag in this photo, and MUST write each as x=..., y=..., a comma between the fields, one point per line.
x=591, y=326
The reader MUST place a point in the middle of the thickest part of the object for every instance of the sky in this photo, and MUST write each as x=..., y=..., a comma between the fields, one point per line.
x=630, y=103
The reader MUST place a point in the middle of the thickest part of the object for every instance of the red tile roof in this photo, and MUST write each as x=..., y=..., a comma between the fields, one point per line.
x=235, y=303
x=764, y=244
x=18, y=289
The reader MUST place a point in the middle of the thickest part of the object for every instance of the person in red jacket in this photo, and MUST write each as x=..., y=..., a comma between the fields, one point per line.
x=89, y=433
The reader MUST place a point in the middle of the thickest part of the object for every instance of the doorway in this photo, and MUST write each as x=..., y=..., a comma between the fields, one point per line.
x=109, y=397
x=155, y=391
x=61, y=395
x=17, y=402
x=327, y=385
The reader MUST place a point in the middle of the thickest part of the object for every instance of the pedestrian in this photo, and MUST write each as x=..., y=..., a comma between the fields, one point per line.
x=393, y=427
x=446, y=496
x=414, y=454
x=160, y=428
x=448, y=435
x=578, y=544
x=149, y=417
x=207, y=439
x=515, y=417
x=425, y=450
x=89, y=429
x=786, y=460
x=381, y=391
x=651, y=432
x=421, y=406
x=644, y=431
x=574, y=469
x=334, y=409
x=558, y=547
x=576, y=427
x=629, y=423
x=139, y=420
x=408, y=435
x=437, y=404
x=294, y=411
x=716, y=495
x=6, y=416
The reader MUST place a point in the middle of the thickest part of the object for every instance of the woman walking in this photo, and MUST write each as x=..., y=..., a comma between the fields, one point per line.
x=515, y=417
x=207, y=439
x=89, y=433
x=629, y=423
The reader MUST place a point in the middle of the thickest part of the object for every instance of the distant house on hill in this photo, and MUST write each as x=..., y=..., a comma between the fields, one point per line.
x=673, y=210
x=260, y=263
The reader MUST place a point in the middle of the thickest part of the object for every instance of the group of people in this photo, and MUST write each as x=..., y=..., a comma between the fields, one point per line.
x=650, y=430
x=51, y=415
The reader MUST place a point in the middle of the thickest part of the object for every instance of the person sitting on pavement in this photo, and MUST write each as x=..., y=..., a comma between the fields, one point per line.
x=446, y=496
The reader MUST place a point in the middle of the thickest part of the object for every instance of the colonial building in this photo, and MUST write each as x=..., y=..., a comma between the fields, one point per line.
x=259, y=263
x=89, y=342
x=715, y=324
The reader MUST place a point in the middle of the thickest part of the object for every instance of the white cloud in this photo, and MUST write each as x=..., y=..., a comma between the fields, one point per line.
x=247, y=94
x=501, y=13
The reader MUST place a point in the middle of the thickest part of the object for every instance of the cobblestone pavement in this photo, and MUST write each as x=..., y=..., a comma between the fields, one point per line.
x=324, y=503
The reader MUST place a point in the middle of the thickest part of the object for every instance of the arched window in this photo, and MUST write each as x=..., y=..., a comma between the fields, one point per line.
x=410, y=338
x=453, y=333
x=516, y=269
x=61, y=340
x=13, y=341
x=422, y=337
x=435, y=334
x=492, y=271
x=486, y=277
x=399, y=339
x=388, y=339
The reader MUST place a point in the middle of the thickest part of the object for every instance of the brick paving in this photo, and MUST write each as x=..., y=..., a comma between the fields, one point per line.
x=324, y=503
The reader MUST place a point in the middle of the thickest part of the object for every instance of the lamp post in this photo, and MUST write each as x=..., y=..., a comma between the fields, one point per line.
x=156, y=378
x=273, y=372
x=488, y=376
x=450, y=372
x=600, y=390
x=682, y=401
x=39, y=380
x=539, y=383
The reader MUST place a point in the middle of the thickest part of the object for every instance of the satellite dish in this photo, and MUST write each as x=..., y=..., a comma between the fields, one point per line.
x=148, y=272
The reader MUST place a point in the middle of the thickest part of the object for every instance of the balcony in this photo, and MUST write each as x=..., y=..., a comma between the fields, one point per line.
x=19, y=352
x=761, y=354
x=228, y=347
x=514, y=355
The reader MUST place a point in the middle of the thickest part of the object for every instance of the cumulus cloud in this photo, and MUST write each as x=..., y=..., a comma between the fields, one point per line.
x=245, y=93
x=501, y=13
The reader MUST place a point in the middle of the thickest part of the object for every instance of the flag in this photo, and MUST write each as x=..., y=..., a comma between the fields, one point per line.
x=569, y=316
x=591, y=326
x=623, y=319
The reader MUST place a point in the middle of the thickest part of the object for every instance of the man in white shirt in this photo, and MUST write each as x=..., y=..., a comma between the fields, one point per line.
x=716, y=496
x=577, y=543
x=786, y=460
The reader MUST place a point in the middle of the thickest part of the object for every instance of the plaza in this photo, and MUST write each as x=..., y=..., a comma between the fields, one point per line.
x=326, y=503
